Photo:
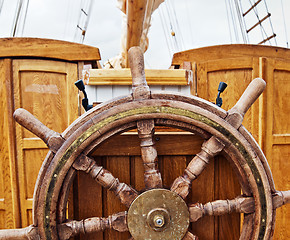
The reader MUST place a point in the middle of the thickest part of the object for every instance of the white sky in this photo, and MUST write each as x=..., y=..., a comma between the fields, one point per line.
x=200, y=23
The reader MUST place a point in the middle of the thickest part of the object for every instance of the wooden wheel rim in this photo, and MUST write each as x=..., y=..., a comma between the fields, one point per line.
x=99, y=122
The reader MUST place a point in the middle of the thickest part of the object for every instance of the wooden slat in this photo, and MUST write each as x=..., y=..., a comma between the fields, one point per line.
x=120, y=168
x=254, y=5
x=47, y=48
x=31, y=143
x=202, y=191
x=281, y=139
x=153, y=77
x=226, y=187
x=2, y=204
x=259, y=22
x=126, y=145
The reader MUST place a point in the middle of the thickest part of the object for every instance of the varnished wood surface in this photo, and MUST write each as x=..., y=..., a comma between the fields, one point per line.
x=153, y=77
x=268, y=118
x=47, y=48
x=127, y=165
x=229, y=51
x=45, y=89
x=9, y=205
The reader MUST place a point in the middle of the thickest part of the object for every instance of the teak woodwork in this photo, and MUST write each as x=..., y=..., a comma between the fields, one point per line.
x=38, y=75
x=268, y=119
x=223, y=135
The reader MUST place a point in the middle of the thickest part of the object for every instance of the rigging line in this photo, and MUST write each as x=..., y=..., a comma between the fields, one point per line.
x=172, y=29
x=240, y=21
x=234, y=21
x=283, y=13
x=263, y=31
x=16, y=17
x=149, y=13
x=163, y=28
x=177, y=23
x=244, y=22
x=66, y=18
x=91, y=3
x=167, y=35
x=25, y=16
x=228, y=18
x=1, y=5
x=270, y=22
x=189, y=22
x=78, y=22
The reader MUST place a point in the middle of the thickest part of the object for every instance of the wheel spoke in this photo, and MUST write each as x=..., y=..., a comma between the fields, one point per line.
x=152, y=176
x=72, y=228
x=209, y=149
x=189, y=236
x=124, y=192
x=220, y=207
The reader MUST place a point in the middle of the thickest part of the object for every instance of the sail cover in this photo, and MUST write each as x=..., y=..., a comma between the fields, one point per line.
x=120, y=60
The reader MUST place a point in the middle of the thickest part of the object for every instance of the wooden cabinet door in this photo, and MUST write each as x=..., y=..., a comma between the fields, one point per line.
x=277, y=138
x=237, y=73
x=46, y=89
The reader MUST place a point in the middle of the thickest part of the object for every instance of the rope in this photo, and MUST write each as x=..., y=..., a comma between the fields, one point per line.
x=25, y=16
x=170, y=3
x=164, y=31
x=188, y=18
x=228, y=18
x=1, y=5
x=16, y=17
x=172, y=29
x=234, y=21
x=239, y=13
x=283, y=14
x=244, y=22
x=263, y=31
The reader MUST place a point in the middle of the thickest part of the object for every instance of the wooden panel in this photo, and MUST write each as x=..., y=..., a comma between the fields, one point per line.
x=128, y=167
x=120, y=168
x=47, y=48
x=226, y=187
x=44, y=95
x=202, y=191
x=165, y=144
x=32, y=160
x=46, y=89
x=91, y=198
x=281, y=101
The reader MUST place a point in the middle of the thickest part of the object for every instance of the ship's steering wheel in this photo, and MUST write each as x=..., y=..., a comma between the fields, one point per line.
x=156, y=213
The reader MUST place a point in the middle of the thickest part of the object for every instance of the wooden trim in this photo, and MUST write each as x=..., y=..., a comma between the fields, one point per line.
x=281, y=139
x=47, y=48
x=2, y=204
x=33, y=143
x=229, y=51
x=153, y=77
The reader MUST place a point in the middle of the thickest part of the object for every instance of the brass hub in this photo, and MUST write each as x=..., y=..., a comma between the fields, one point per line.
x=158, y=214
